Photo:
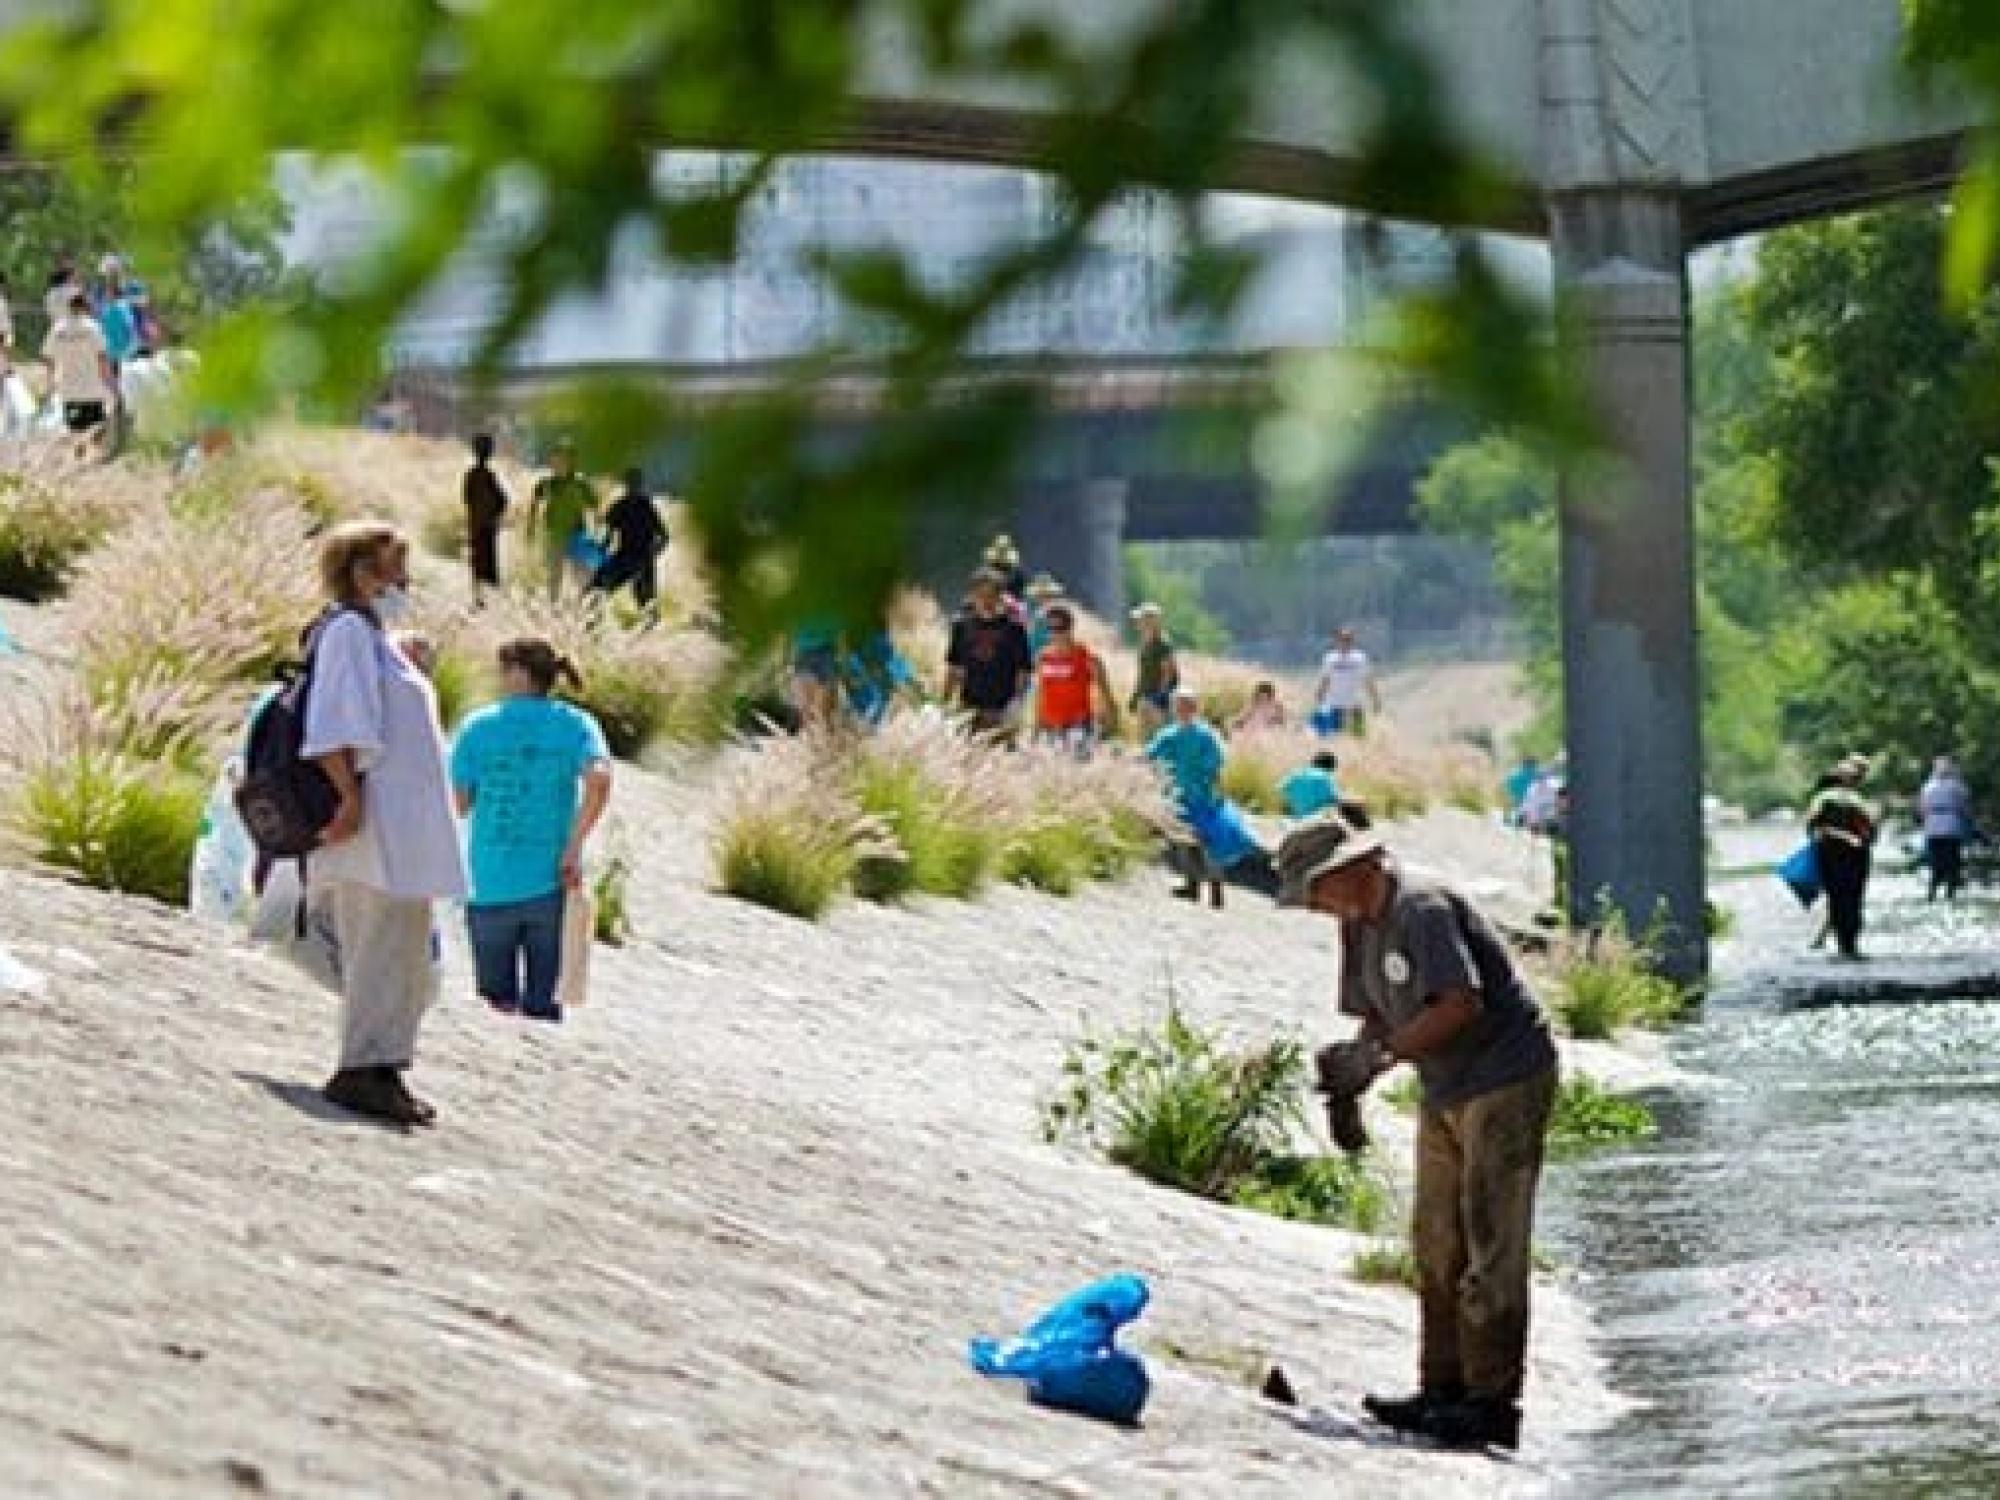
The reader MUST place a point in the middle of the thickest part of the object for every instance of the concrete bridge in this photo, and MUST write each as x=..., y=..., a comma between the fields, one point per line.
x=1631, y=131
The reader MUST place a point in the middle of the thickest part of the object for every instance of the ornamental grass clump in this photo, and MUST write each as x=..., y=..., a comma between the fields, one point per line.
x=1588, y=1116
x=788, y=833
x=87, y=806
x=43, y=534
x=937, y=800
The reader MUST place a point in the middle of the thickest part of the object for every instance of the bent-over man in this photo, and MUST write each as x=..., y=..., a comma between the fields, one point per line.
x=1433, y=985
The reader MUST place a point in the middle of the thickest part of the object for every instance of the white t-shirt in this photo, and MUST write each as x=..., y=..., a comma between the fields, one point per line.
x=1343, y=678
x=367, y=698
x=75, y=352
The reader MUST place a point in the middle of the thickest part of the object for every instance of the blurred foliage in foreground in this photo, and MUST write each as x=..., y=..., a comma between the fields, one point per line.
x=570, y=106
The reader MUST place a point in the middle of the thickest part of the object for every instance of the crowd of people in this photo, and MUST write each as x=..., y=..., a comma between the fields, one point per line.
x=96, y=330
x=583, y=544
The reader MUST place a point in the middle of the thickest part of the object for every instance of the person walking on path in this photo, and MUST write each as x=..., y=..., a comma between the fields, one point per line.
x=564, y=508
x=80, y=375
x=485, y=500
x=533, y=776
x=1433, y=985
x=1159, y=669
x=1069, y=679
x=1842, y=826
x=392, y=848
x=1346, y=682
x=1945, y=805
x=637, y=537
x=987, y=659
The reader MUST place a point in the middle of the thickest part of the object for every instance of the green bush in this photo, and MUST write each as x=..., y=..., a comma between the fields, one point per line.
x=116, y=822
x=1252, y=780
x=1609, y=985
x=1391, y=1263
x=1319, y=1190
x=1178, y=1108
x=460, y=682
x=42, y=534
x=936, y=844
x=1588, y=1115
x=1049, y=855
x=772, y=857
x=442, y=533
x=610, y=890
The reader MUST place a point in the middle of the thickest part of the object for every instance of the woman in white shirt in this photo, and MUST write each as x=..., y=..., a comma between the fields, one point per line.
x=393, y=846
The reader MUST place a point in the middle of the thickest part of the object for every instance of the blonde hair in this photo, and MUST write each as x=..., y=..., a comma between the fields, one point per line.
x=346, y=547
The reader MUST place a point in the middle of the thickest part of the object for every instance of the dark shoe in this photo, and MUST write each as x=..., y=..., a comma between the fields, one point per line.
x=365, y=1091
x=1188, y=892
x=1475, y=1422
x=417, y=1111
x=1410, y=1413
x=553, y=1015
x=503, y=1007
x=1215, y=894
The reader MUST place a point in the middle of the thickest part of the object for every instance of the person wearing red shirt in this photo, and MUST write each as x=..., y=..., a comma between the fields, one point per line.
x=1068, y=678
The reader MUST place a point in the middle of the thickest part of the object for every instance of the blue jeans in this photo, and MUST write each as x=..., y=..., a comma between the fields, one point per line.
x=506, y=940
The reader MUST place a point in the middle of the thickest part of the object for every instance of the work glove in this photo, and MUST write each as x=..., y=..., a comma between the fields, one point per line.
x=1344, y=1072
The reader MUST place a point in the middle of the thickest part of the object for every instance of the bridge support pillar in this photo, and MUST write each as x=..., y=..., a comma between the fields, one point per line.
x=1078, y=533
x=1631, y=680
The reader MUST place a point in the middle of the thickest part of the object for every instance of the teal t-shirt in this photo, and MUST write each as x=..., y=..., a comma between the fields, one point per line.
x=1192, y=755
x=1309, y=790
x=521, y=760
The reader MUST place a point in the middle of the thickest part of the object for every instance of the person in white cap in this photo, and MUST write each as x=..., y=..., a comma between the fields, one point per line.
x=1159, y=669
x=1435, y=987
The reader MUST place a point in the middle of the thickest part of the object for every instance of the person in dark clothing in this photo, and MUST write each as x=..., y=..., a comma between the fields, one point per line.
x=1842, y=828
x=485, y=505
x=637, y=536
x=990, y=666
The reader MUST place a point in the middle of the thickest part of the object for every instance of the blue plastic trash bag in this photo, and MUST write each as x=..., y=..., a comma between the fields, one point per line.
x=1800, y=872
x=1069, y=1356
x=585, y=551
x=1225, y=834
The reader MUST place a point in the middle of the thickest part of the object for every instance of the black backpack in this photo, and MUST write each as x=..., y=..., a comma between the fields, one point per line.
x=285, y=800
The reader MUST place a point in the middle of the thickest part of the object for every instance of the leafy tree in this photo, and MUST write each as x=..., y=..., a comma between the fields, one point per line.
x=572, y=103
x=1193, y=623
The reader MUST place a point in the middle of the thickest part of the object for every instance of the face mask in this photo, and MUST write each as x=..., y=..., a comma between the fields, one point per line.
x=392, y=604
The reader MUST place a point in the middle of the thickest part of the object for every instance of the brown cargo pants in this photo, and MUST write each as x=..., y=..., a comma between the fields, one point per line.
x=1477, y=1166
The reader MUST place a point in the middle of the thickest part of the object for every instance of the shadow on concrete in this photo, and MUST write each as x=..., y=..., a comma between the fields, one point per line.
x=308, y=1100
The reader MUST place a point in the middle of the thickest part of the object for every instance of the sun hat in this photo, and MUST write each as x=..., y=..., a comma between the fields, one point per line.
x=1317, y=847
x=1045, y=586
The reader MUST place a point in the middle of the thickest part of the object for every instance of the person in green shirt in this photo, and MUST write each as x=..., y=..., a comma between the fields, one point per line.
x=564, y=508
x=1159, y=669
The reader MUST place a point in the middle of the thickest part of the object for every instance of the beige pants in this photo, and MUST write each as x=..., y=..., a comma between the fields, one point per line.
x=1478, y=1164
x=379, y=948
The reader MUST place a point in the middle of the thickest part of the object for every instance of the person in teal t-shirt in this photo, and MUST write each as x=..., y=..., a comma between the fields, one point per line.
x=1192, y=753
x=1312, y=789
x=533, y=776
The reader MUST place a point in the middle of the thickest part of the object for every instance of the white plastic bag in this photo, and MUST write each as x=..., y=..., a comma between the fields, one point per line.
x=219, y=883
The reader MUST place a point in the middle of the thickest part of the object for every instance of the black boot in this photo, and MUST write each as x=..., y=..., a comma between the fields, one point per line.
x=1410, y=1413
x=371, y=1092
x=1475, y=1422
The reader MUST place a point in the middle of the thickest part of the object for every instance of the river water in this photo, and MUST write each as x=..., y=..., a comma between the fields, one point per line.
x=1798, y=1280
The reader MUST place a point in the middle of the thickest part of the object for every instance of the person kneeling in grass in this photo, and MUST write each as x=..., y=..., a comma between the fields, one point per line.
x=534, y=777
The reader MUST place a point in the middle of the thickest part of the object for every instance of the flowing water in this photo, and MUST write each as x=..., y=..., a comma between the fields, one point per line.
x=1798, y=1281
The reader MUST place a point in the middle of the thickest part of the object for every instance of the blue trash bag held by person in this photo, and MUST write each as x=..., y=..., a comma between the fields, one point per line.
x=1069, y=1356
x=585, y=551
x=1226, y=835
x=1800, y=872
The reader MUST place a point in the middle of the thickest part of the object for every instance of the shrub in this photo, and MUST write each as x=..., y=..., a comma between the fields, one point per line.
x=933, y=797
x=1607, y=984
x=1050, y=854
x=42, y=535
x=1391, y=1263
x=442, y=533
x=630, y=702
x=1319, y=1190
x=460, y=680
x=117, y=822
x=1254, y=771
x=786, y=837
x=1179, y=1109
x=610, y=889
x=1588, y=1115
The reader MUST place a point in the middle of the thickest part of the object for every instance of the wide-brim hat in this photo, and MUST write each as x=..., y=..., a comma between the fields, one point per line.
x=1317, y=847
x=1045, y=586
